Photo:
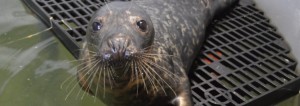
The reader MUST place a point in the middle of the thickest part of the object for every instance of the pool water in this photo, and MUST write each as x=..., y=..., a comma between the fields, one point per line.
x=35, y=71
x=32, y=70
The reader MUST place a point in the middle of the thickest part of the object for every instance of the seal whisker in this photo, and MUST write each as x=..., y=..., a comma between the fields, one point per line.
x=147, y=49
x=110, y=77
x=93, y=60
x=170, y=74
x=113, y=71
x=94, y=73
x=156, y=74
x=73, y=80
x=78, y=60
x=88, y=74
x=99, y=75
x=73, y=61
x=160, y=76
x=93, y=45
x=131, y=74
x=70, y=77
x=127, y=67
x=105, y=68
x=137, y=77
x=150, y=54
x=141, y=69
x=63, y=83
x=91, y=80
x=72, y=89
x=148, y=77
x=92, y=52
x=104, y=82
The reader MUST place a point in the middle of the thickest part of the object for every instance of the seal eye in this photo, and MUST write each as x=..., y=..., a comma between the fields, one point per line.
x=142, y=25
x=96, y=26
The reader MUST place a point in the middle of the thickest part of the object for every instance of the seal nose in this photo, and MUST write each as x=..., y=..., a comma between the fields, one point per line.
x=119, y=46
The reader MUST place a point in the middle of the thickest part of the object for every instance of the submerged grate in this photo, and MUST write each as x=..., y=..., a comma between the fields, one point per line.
x=243, y=62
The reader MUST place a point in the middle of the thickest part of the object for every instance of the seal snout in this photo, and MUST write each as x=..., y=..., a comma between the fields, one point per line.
x=119, y=48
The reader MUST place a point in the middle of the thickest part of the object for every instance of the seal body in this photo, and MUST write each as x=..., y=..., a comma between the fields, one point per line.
x=139, y=52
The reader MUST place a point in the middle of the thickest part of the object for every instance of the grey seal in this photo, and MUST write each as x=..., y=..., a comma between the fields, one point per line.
x=138, y=53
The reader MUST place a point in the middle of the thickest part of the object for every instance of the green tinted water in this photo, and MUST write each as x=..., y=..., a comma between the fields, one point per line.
x=32, y=70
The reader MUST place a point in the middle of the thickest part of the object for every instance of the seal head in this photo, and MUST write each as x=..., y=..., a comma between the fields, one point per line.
x=117, y=61
x=119, y=33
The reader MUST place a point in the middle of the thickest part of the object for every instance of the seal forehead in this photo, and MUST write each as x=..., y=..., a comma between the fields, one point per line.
x=133, y=18
x=128, y=12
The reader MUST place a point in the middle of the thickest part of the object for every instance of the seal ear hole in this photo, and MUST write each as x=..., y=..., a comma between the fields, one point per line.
x=142, y=25
x=96, y=26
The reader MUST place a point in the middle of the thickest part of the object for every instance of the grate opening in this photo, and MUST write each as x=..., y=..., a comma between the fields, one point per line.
x=56, y=8
x=259, y=86
x=40, y=3
x=82, y=22
x=93, y=8
x=48, y=10
x=73, y=5
x=235, y=80
x=267, y=83
x=275, y=80
x=50, y=3
x=81, y=31
x=243, y=94
x=81, y=12
x=64, y=15
x=72, y=33
x=58, y=1
x=65, y=6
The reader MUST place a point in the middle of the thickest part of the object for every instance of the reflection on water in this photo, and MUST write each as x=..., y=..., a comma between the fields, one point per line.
x=50, y=65
x=33, y=69
x=21, y=59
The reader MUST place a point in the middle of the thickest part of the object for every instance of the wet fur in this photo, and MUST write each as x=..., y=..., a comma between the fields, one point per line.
x=157, y=73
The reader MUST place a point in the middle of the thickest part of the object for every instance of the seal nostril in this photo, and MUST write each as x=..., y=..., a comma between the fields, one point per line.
x=113, y=49
x=127, y=54
x=106, y=56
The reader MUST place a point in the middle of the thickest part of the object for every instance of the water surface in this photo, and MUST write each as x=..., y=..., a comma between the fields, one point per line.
x=32, y=70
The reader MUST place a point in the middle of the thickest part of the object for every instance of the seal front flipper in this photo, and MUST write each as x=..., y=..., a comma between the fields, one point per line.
x=182, y=100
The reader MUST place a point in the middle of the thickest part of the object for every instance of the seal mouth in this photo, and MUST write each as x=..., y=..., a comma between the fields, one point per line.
x=141, y=71
x=119, y=64
x=118, y=61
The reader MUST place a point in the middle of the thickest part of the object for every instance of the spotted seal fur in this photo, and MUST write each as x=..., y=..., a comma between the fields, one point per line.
x=138, y=53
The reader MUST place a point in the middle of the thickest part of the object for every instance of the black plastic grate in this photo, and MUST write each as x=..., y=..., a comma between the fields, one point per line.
x=70, y=18
x=243, y=62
